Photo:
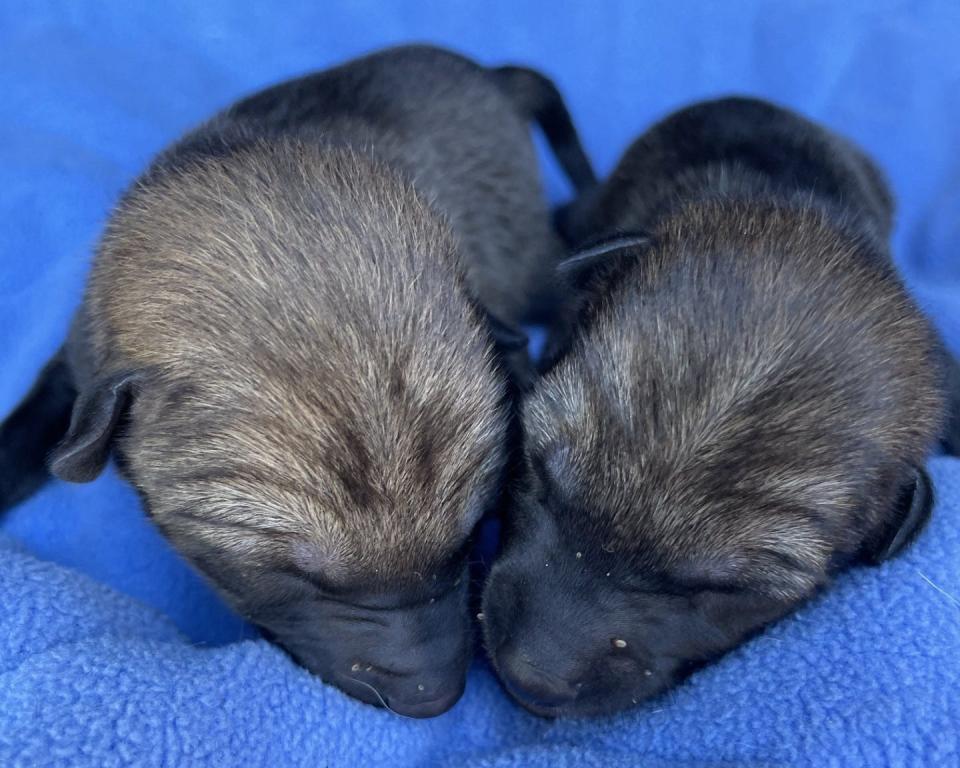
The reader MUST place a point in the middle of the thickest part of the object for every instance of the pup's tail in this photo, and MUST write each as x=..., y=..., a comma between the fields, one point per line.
x=29, y=433
x=536, y=97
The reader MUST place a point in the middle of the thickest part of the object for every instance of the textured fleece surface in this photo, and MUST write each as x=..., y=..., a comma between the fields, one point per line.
x=112, y=652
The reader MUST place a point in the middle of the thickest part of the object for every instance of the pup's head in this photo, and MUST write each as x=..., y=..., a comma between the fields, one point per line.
x=580, y=623
x=699, y=464
x=307, y=404
x=346, y=542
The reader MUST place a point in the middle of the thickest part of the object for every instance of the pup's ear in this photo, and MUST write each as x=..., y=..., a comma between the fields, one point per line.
x=507, y=337
x=578, y=268
x=82, y=454
x=910, y=515
x=511, y=344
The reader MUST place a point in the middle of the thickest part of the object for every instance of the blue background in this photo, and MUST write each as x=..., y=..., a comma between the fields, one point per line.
x=90, y=91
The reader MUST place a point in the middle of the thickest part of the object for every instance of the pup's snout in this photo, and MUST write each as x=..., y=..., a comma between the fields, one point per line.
x=413, y=694
x=532, y=682
x=412, y=659
x=416, y=662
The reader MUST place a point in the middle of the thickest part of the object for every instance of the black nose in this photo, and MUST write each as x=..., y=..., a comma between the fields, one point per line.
x=530, y=682
x=428, y=707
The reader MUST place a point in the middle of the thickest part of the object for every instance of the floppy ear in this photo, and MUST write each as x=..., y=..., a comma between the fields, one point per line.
x=511, y=344
x=576, y=269
x=82, y=454
x=911, y=514
x=508, y=338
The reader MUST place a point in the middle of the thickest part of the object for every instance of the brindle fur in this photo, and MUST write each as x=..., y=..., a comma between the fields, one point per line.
x=743, y=412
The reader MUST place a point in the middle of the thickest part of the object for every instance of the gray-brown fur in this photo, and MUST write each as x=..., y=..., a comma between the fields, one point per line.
x=315, y=410
x=732, y=147
x=283, y=341
x=461, y=134
x=309, y=363
x=756, y=389
x=743, y=412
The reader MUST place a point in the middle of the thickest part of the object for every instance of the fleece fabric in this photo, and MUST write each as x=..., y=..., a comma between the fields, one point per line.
x=113, y=652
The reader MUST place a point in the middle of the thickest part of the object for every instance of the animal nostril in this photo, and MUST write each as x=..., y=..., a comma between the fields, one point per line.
x=530, y=682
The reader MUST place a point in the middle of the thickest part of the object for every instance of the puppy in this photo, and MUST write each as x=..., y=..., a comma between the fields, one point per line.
x=283, y=343
x=745, y=411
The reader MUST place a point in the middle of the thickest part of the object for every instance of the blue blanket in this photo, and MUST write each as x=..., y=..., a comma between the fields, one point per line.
x=112, y=652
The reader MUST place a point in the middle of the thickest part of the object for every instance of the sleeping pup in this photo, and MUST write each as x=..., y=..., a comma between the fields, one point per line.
x=746, y=410
x=284, y=343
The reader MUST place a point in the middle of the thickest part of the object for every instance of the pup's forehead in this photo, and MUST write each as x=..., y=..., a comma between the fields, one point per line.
x=240, y=529
x=381, y=474
x=723, y=514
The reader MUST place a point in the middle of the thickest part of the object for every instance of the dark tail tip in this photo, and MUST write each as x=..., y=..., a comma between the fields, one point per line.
x=538, y=98
x=31, y=431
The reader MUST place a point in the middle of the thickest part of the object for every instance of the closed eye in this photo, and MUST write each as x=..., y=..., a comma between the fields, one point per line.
x=311, y=580
x=434, y=590
x=679, y=585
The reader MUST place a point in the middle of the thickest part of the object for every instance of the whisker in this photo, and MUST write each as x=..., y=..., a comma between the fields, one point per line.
x=383, y=701
x=941, y=590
